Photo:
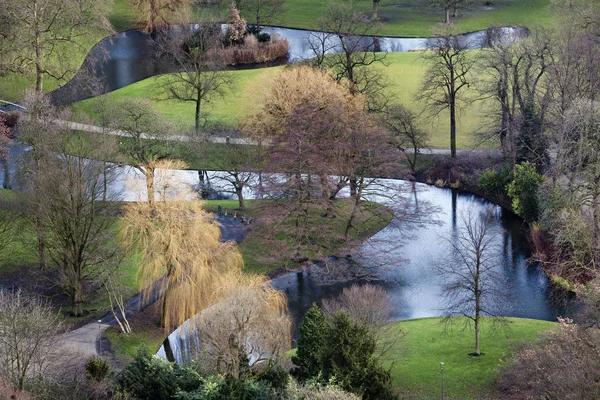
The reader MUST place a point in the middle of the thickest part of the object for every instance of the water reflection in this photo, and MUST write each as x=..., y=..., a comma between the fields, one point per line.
x=402, y=259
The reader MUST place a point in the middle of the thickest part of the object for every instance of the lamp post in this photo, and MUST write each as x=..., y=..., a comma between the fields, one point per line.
x=100, y=335
x=442, y=369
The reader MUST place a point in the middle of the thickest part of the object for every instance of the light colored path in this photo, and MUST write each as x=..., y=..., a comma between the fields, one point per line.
x=235, y=140
x=83, y=340
x=77, y=126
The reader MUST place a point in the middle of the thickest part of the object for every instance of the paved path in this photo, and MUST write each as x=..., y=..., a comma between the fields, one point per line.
x=85, y=340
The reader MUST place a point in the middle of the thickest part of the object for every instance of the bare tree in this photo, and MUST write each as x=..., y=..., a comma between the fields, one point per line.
x=470, y=275
x=512, y=73
x=41, y=33
x=199, y=76
x=115, y=291
x=344, y=30
x=154, y=13
x=263, y=12
x=451, y=7
x=408, y=136
x=77, y=235
x=563, y=364
x=146, y=137
x=447, y=75
x=250, y=328
x=368, y=305
x=29, y=330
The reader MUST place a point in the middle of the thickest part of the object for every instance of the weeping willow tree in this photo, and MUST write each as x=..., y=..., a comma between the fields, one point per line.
x=182, y=258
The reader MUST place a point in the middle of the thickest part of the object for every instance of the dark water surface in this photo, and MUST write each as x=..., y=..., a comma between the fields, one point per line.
x=403, y=258
x=128, y=57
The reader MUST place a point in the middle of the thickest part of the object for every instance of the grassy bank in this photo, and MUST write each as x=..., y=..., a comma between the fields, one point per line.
x=404, y=72
x=423, y=345
x=260, y=248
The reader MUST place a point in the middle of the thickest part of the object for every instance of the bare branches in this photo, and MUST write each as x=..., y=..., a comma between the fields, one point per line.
x=41, y=33
x=471, y=279
x=29, y=328
x=448, y=73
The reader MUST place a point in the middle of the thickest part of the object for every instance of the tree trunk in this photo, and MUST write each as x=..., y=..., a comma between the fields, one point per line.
x=375, y=16
x=350, y=223
x=452, y=126
x=78, y=298
x=149, y=174
x=353, y=186
x=239, y=191
x=41, y=243
x=198, y=101
x=447, y=20
x=39, y=70
x=477, y=292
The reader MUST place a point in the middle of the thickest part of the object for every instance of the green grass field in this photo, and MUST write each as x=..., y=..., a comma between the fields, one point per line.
x=423, y=345
x=404, y=72
x=409, y=18
x=413, y=18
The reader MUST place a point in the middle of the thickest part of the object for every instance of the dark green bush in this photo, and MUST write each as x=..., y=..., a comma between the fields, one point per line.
x=150, y=378
x=97, y=368
x=310, y=343
x=523, y=191
x=494, y=181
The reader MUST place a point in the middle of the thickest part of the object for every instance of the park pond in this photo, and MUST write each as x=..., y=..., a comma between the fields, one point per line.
x=128, y=57
x=403, y=258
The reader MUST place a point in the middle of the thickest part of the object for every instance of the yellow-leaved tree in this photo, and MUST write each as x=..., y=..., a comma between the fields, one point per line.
x=182, y=258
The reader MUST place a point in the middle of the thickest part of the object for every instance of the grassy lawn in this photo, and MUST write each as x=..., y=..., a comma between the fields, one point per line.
x=260, y=248
x=404, y=71
x=145, y=331
x=417, y=356
x=409, y=18
x=412, y=18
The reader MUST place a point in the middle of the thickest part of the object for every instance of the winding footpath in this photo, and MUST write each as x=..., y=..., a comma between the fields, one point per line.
x=85, y=341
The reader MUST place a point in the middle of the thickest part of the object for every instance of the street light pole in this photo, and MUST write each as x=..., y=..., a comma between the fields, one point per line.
x=100, y=335
x=442, y=368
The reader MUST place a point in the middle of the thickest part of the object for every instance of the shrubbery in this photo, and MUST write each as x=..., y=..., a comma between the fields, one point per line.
x=523, y=190
x=341, y=350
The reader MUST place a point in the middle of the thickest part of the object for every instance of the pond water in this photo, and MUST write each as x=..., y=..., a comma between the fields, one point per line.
x=403, y=258
x=128, y=57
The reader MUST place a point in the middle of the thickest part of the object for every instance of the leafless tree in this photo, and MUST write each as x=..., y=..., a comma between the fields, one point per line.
x=408, y=136
x=369, y=305
x=154, y=13
x=41, y=35
x=344, y=30
x=447, y=76
x=115, y=291
x=263, y=12
x=29, y=329
x=199, y=76
x=470, y=277
x=451, y=7
x=146, y=137
x=65, y=195
x=513, y=73
x=562, y=364
x=251, y=325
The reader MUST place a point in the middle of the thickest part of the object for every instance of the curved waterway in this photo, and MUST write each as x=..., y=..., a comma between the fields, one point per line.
x=128, y=57
x=403, y=258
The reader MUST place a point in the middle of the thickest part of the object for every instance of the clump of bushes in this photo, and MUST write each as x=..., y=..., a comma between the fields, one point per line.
x=252, y=50
x=248, y=45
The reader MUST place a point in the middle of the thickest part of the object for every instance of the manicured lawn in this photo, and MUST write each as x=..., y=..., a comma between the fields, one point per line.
x=404, y=72
x=413, y=18
x=418, y=352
